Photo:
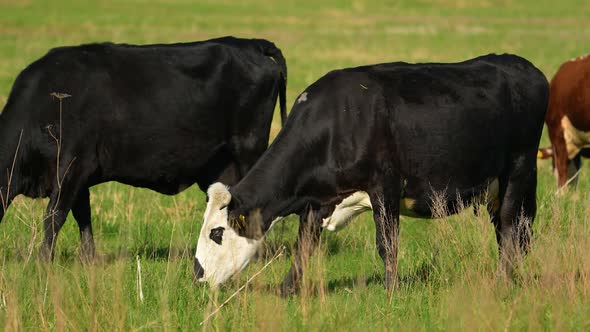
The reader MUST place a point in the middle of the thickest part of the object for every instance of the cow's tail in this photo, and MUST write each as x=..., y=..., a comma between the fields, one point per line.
x=283, y=96
x=275, y=54
x=8, y=181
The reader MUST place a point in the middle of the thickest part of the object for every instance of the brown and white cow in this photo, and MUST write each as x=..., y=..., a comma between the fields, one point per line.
x=568, y=118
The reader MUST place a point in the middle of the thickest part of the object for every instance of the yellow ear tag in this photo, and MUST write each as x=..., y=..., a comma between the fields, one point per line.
x=539, y=154
x=242, y=219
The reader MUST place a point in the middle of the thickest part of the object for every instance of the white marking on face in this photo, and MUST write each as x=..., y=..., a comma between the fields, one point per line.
x=221, y=256
x=302, y=98
x=575, y=139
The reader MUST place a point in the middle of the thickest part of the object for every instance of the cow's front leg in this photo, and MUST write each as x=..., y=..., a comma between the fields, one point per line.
x=307, y=240
x=57, y=211
x=386, y=215
x=61, y=201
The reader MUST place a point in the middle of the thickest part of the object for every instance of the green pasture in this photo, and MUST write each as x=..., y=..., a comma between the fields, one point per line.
x=447, y=266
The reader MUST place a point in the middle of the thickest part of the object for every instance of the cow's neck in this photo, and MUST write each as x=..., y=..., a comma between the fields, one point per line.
x=273, y=184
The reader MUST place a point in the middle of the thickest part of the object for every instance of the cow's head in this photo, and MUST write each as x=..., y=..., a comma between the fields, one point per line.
x=227, y=241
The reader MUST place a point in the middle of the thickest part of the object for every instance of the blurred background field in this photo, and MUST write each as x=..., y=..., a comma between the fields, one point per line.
x=446, y=266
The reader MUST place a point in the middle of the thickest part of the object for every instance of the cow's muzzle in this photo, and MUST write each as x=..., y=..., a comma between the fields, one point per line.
x=199, y=271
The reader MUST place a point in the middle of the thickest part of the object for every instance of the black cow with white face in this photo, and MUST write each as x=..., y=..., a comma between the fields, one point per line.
x=161, y=117
x=402, y=133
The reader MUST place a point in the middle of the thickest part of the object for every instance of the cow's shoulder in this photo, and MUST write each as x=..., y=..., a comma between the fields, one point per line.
x=505, y=59
x=342, y=83
x=78, y=52
x=572, y=71
x=581, y=58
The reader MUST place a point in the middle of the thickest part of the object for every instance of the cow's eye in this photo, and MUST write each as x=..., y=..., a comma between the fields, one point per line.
x=217, y=234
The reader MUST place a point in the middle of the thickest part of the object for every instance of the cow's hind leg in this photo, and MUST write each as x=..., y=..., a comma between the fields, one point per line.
x=573, y=166
x=385, y=202
x=82, y=214
x=514, y=219
x=6, y=197
x=307, y=240
x=560, y=154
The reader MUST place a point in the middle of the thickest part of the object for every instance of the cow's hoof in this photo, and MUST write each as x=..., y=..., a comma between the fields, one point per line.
x=45, y=255
x=391, y=283
x=288, y=289
x=88, y=259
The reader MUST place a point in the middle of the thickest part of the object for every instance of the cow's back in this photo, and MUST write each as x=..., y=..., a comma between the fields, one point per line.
x=443, y=127
x=456, y=126
x=149, y=116
x=570, y=95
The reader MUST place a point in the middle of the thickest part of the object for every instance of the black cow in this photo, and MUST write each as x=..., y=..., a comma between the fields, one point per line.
x=155, y=116
x=413, y=136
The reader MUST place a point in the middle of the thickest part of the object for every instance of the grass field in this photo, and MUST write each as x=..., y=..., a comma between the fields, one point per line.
x=446, y=266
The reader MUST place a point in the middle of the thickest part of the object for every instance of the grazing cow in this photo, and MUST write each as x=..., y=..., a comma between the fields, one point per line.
x=568, y=118
x=161, y=117
x=412, y=136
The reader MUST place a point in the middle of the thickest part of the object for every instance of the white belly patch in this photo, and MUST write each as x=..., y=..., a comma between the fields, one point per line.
x=359, y=202
x=345, y=212
x=355, y=204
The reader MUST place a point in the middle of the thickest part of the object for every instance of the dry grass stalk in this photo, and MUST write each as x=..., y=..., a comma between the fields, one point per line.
x=139, y=283
x=567, y=183
x=275, y=257
x=391, y=239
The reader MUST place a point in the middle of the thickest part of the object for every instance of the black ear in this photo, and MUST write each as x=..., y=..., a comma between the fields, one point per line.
x=233, y=204
x=237, y=221
x=229, y=204
x=250, y=225
x=254, y=223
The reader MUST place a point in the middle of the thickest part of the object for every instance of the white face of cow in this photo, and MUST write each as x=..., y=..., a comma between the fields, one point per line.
x=221, y=252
